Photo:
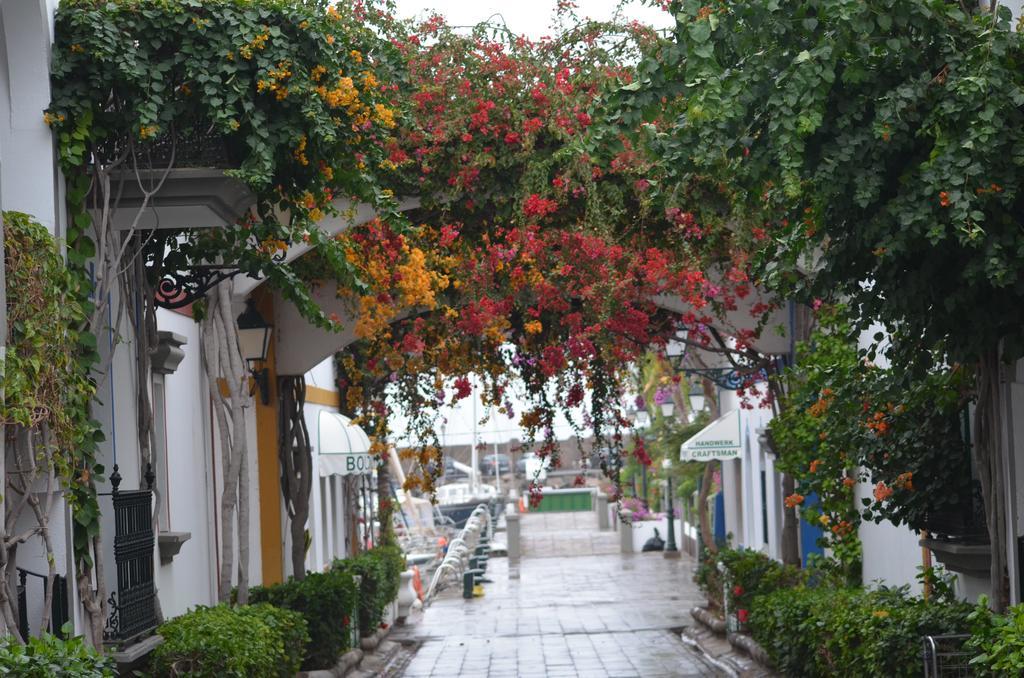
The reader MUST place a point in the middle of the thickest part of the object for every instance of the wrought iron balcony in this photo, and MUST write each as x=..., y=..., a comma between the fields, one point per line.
x=133, y=605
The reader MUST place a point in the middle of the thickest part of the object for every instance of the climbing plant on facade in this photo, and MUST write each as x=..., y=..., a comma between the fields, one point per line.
x=49, y=439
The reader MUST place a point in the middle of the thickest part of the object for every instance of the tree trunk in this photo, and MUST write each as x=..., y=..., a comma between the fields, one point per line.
x=296, y=456
x=385, y=506
x=988, y=454
x=790, y=526
x=706, y=533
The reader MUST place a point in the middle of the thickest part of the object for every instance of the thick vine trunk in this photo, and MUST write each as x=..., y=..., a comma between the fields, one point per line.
x=988, y=457
x=295, y=454
x=224, y=365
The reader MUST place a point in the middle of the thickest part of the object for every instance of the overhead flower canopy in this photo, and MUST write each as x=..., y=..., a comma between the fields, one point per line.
x=534, y=263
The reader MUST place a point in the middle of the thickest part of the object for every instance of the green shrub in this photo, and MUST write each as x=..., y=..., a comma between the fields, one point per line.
x=852, y=632
x=380, y=569
x=749, y=574
x=997, y=641
x=231, y=641
x=290, y=626
x=326, y=600
x=51, y=657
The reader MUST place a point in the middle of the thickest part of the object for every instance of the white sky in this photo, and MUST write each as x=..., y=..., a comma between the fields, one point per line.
x=529, y=17
x=532, y=18
x=459, y=429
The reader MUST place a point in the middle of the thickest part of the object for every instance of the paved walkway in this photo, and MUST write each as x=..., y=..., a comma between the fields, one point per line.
x=565, y=534
x=585, y=610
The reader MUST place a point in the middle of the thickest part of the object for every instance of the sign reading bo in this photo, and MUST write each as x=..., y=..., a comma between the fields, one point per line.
x=357, y=463
x=344, y=449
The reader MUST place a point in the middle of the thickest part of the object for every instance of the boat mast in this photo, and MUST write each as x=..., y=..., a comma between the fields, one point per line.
x=473, y=454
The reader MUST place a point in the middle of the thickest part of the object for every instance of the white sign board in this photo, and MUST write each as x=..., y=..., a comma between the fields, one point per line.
x=718, y=440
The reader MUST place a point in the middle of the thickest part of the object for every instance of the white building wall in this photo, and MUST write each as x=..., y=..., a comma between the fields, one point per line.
x=891, y=553
x=187, y=504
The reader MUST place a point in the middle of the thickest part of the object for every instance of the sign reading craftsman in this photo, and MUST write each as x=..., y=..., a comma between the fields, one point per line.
x=718, y=440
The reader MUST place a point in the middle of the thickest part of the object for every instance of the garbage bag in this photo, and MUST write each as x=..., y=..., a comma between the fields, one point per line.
x=655, y=543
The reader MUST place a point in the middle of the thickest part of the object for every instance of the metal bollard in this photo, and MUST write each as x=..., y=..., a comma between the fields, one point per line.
x=602, y=511
x=467, y=584
x=512, y=535
x=626, y=532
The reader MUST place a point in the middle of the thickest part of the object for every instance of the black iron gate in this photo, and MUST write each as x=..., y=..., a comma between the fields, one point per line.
x=133, y=604
x=58, y=603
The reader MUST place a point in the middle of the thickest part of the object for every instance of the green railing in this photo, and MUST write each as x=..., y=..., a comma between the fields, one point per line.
x=555, y=501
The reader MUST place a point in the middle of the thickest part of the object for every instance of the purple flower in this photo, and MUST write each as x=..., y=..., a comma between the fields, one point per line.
x=663, y=395
x=640, y=402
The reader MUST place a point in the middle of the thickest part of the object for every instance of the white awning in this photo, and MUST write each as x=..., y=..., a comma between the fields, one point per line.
x=718, y=440
x=342, y=447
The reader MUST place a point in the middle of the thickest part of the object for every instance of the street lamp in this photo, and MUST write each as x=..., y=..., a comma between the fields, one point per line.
x=254, y=342
x=696, y=394
x=671, y=550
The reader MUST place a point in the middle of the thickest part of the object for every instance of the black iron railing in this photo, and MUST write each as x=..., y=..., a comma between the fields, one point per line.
x=133, y=604
x=58, y=604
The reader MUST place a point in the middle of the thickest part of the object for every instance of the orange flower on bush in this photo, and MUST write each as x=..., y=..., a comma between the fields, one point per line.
x=815, y=465
x=794, y=499
x=882, y=491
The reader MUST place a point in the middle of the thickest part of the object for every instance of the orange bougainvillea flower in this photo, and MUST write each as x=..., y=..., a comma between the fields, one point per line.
x=882, y=491
x=815, y=464
x=794, y=499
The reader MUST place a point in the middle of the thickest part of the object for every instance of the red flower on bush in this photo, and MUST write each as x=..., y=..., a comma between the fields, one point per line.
x=462, y=388
x=742, y=615
x=536, y=206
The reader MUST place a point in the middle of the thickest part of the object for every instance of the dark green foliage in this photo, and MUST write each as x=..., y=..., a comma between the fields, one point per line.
x=288, y=624
x=51, y=657
x=884, y=139
x=380, y=569
x=851, y=632
x=327, y=601
x=259, y=640
x=997, y=641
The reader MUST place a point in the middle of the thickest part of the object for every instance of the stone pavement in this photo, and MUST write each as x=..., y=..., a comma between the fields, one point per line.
x=584, y=610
